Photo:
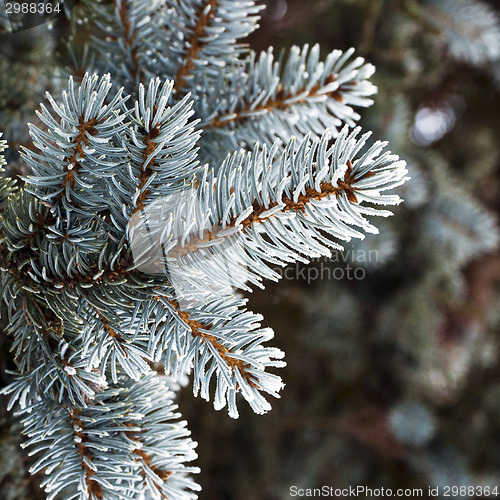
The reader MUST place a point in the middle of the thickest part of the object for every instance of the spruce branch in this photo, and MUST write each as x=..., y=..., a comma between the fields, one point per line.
x=77, y=150
x=207, y=32
x=162, y=143
x=219, y=338
x=276, y=207
x=293, y=95
x=126, y=47
x=129, y=445
x=195, y=45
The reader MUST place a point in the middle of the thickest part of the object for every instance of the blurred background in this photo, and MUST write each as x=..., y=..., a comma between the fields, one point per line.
x=393, y=376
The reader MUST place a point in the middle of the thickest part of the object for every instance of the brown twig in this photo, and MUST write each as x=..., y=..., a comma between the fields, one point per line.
x=81, y=139
x=326, y=189
x=199, y=329
x=130, y=41
x=195, y=45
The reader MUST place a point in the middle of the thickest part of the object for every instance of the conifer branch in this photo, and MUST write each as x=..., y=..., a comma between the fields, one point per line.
x=286, y=191
x=280, y=102
x=292, y=95
x=78, y=437
x=130, y=41
x=94, y=489
x=115, y=185
x=162, y=145
x=200, y=330
x=73, y=166
x=195, y=43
